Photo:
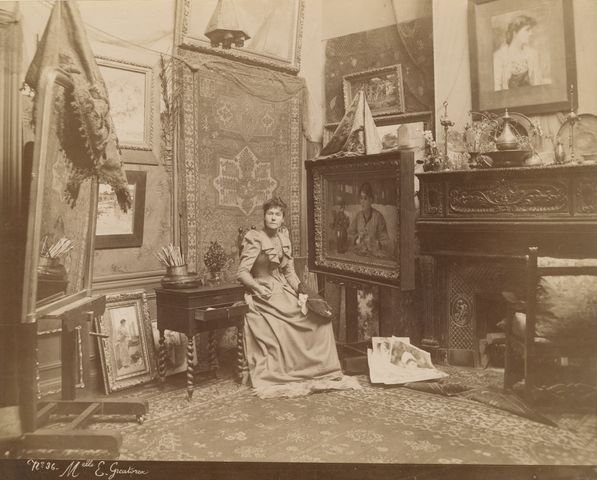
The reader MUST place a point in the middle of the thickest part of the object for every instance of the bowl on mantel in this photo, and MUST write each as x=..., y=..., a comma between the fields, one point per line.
x=508, y=158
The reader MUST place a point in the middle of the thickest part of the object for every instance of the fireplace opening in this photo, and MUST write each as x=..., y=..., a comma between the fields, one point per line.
x=491, y=311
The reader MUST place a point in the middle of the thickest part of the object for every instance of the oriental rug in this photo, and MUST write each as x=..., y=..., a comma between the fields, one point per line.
x=227, y=422
x=241, y=141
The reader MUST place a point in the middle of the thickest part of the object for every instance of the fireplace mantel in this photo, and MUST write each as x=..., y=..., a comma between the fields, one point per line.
x=504, y=210
x=473, y=228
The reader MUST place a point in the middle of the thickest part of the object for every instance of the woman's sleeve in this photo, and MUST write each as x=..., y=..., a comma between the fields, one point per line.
x=251, y=246
x=290, y=274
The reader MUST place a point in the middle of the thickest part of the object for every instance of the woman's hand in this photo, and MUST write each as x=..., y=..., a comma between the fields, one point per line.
x=261, y=291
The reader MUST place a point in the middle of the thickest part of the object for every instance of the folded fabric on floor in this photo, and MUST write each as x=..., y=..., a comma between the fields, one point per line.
x=298, y=389
x=492, y=396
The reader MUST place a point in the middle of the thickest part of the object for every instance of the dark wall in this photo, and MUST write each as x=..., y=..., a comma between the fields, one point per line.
x=409, y=44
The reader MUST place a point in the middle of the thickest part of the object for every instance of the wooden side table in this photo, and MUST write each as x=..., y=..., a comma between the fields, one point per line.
x=196, y=310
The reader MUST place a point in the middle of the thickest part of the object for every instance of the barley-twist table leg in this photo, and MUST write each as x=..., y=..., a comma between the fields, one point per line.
x=190, y=382
x=162, y=358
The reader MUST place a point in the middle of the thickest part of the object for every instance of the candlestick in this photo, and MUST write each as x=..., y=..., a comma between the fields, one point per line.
x=572, y=118
x=446, y=123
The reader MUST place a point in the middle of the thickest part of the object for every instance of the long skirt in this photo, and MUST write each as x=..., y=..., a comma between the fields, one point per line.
x=290, y=353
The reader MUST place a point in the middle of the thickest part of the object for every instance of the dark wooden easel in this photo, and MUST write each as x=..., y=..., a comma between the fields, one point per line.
x=76, y=310
x=76, y=320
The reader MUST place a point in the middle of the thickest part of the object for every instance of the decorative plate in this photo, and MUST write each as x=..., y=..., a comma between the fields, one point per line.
x=585, y=136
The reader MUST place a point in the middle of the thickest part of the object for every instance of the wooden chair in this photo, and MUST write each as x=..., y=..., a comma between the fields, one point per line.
x=551, y=336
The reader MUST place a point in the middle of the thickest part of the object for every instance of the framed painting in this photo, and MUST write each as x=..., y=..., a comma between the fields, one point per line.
x=127, y=355
x=361, y=215
x=522, y=55
x=130, y=89
x=275, y=28
x=115, y=228
x=383, y=89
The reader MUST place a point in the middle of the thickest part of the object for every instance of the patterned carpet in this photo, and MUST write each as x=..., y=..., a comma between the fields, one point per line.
x=226, y=422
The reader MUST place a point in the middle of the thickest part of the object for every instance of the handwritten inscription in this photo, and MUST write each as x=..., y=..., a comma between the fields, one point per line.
x=99, y=469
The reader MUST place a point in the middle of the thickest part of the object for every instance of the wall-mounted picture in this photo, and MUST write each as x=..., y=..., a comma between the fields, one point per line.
x=115, y=228
x=522, y=55
x=383, y=89
x=130, y=90
x=127, y=355
x=274, y=26
x=358, y=212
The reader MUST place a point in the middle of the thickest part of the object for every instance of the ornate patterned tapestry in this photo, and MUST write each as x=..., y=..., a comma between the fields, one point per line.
x=409, y=44
x=242, y=144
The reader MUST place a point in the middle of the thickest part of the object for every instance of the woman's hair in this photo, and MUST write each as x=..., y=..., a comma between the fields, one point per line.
x=274, y=202
x=366, y=189
x=122, y=320
x=518, y=24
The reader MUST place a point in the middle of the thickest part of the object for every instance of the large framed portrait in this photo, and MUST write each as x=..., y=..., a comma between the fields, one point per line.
x=522, y=55
x=130, y=89
x=361, y=217
x=127, y=354
x=115, y=228
x=275, y=28
x=383, y=89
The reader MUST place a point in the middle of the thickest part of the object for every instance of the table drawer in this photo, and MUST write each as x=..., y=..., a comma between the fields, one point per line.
x=221, y=312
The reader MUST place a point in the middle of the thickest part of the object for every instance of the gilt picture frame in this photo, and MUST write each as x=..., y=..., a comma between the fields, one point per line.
x=362, y=238
x=275, y=28
x=383, y=87
x=127, y=354
x=522, y=55
x=115, y=228
x=131, y=93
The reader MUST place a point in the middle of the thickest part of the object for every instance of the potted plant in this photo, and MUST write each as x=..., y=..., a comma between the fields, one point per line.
x=215, y=260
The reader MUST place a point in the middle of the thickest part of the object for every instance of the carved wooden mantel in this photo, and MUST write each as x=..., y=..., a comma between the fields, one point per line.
x=554, y=205
x=471, y=226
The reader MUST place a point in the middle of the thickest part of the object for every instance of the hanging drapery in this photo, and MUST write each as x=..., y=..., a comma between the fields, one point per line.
x=416, y=41
x=356, y=134
x=85, y=128
x=241, y=143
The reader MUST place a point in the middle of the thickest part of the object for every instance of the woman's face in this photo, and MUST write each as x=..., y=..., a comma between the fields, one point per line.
x=524, y=35
x=365, y=201
x=273, y=218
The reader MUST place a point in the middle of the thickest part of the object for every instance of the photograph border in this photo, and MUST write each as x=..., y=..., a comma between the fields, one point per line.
x=184, y=40
x=148, y=106
x=134, y=239
x=559, y=101
x=118, y=300
x=349, y=94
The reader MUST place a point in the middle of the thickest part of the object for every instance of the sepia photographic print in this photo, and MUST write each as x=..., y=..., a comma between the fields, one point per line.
x=191, y=289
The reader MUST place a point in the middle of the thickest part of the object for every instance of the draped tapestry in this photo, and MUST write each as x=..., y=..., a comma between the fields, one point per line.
x=408, y=43
x=241, y=143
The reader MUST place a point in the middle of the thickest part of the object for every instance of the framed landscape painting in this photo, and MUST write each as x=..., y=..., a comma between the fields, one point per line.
x=522, y=55
x=130, y=90
x=115, y=228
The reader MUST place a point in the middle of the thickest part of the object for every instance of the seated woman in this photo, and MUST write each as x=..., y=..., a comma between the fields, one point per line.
x=289, y=353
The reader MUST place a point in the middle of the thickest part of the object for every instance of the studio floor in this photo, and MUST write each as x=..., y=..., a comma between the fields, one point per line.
x=226, y=422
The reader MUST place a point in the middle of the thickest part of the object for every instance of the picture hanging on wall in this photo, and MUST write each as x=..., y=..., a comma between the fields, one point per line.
x=130, y=91
x=115, y=228
x=275, y=28
x=127, y=354
x=522, y=55
x=383, y=89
